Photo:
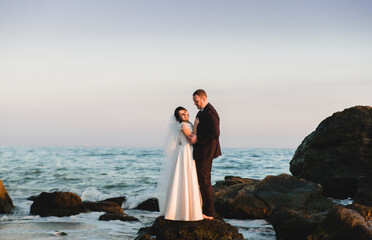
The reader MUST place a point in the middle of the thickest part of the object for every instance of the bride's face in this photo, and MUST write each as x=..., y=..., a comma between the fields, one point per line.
x=184, y=115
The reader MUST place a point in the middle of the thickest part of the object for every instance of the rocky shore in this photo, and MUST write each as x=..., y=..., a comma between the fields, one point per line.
x=333, y=161
x=294, y=207
x=62, y=204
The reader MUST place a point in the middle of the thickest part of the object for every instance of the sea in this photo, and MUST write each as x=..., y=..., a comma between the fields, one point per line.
x=98, y=173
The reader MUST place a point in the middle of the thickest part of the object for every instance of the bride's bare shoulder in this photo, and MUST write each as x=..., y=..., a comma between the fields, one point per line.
x=186, y=124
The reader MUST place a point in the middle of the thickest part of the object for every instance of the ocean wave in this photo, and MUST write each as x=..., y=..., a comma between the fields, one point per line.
x=4, y=218
x=133, y=201
x=93, y=194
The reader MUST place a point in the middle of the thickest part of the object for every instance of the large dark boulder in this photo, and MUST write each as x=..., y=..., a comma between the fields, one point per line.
x=294, y=207
x=343, y=224
x=235, y=198
x=58, y=204
x=338, y=153
x=290, y=224
x=6, y=203
x=207, y=229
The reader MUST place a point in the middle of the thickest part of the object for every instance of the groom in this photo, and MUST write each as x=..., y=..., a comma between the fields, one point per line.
x=206, y=147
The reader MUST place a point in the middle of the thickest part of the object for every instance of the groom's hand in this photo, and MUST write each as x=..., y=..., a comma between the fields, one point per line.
x=193, y=138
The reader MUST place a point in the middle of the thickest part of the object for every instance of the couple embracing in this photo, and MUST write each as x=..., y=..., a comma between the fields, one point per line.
x=184, y=189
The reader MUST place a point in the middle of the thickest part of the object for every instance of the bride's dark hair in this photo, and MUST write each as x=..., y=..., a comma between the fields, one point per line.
x=178, y=118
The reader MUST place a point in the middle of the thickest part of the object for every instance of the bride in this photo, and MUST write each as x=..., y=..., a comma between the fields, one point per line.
x=178, y=188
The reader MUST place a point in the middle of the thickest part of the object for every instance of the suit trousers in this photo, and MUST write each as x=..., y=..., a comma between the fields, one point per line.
x=204, y=168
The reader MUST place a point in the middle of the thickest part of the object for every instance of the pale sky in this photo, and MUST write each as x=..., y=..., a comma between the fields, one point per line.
x=110, y=73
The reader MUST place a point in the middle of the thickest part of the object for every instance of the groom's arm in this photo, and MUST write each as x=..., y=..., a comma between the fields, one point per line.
x=212, y=123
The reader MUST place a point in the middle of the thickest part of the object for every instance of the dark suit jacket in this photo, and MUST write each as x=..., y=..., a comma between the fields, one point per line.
x=208, y=133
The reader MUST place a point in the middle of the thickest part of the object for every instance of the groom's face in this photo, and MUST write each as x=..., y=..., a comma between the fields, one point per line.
x=199, y=101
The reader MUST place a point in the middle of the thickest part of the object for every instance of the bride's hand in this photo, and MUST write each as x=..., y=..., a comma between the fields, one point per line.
x=192, y=139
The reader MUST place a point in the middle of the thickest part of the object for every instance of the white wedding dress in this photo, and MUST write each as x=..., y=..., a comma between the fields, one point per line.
x=178, y=188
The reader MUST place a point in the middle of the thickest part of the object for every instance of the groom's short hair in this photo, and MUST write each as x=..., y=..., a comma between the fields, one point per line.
x=200, y=93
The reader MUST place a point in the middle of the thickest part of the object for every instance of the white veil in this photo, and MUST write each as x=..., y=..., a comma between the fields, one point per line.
x=171, y=146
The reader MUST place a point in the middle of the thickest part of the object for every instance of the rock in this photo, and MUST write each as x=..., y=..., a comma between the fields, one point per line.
x=181, y=230
x=290, y=192
x=33, y=198
x=243, y=198
x=343, y=224
x=117, y=216
x=144, y=237
x=110, y=207
x=298, y=206
x=364, y=211
x=235, y=198
x=6, y=203
x=293, y=206
x=151, y=204
x=364, y=192
x=58, y=233
x=58, y=204
x=338, y=153
x=118, y=200
x=290, y=224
